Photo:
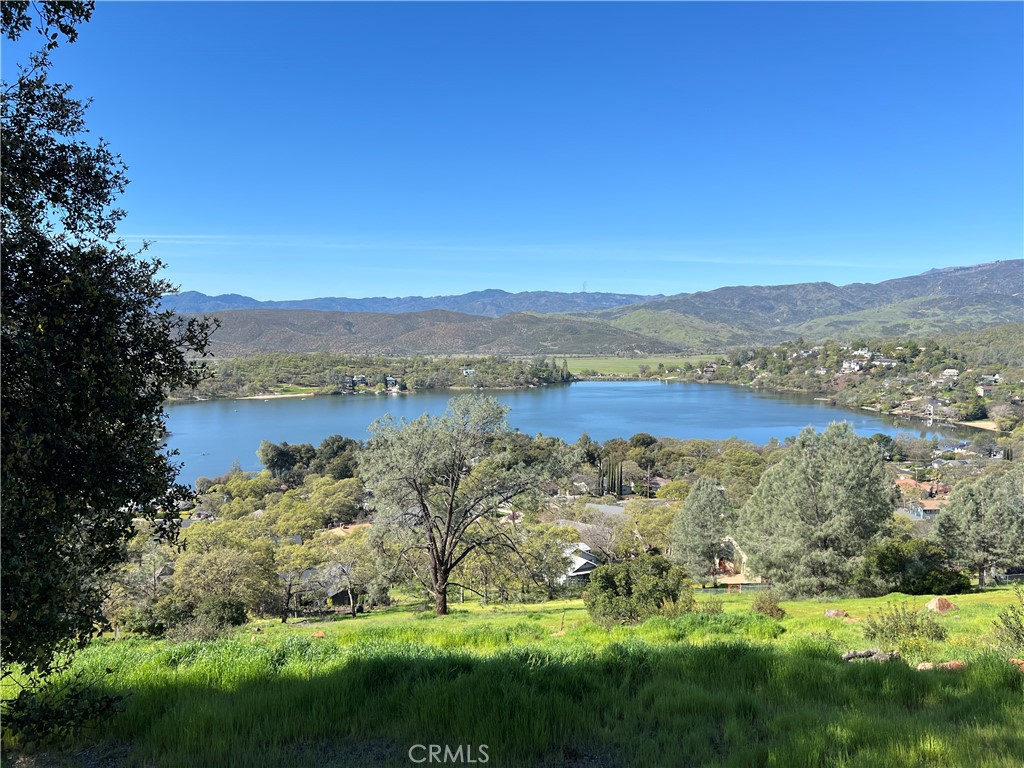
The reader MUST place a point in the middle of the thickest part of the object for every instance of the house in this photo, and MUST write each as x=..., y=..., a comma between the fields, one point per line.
x=950, y=373
x=390, y=382
x=851, y=366
x=340, y=596
x=359, y=379
x=469, y=372
x=984, y=390
x=348, y=383
x=582, y=561
x=887, y=362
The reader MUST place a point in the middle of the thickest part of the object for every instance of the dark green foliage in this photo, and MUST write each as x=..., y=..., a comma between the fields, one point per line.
x=901, y=622
x=1010, y=624
x=59, y=710
x=767, y=604
x=911, y=566
x=212, y=617
x=88, y=360
x=221, y=611
x=336, y=457
x=287, y=463
x=982, y=527
x=63, y=16
x=157, y=617
x=609, y=477
x=814, y=514
x=629, y=592
x=698, y=529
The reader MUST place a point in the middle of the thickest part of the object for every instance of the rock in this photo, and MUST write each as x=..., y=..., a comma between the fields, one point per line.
x=940, y=605
x=1018, y=663
x=834, y=613
x=925, y=665
x=319, y=633
x=872, y=654
x=953, y=666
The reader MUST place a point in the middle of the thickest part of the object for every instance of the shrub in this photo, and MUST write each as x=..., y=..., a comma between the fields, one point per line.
x=911, y=566
x=156, y=618
x=629, y=592
x=221, y=611
x=767, y=603
x=211, y=618
x=900, y=623
x=680, y=606
x=1010, y=624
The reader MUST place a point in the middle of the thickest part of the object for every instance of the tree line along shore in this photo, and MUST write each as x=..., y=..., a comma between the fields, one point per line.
x=963, y=381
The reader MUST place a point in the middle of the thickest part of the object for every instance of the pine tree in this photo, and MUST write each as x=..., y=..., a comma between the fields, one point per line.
x=698, y=529
x=982, y=527
x=813, y=515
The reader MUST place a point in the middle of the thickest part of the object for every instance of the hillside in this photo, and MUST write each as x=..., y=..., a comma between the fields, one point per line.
x=434, y=332
x=937, y=303
x=927, y=316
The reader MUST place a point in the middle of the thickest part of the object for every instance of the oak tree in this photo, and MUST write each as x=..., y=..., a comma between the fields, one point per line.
x=88, y=359
x=447, y=487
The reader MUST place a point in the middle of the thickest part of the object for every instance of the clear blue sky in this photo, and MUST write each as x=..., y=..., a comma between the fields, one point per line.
x=293, y=150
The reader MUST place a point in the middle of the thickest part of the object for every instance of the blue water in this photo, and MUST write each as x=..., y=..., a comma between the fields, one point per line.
x=211, y=435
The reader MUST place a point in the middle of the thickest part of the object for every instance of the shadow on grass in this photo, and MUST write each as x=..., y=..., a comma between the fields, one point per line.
x=314, y=703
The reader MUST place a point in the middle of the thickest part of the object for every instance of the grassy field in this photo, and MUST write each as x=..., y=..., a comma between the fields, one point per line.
x=631, y=365
x=541, y=685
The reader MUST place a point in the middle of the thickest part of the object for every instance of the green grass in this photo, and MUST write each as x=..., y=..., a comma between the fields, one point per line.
x=631, y=365
x=294, y=389
x=734, y=689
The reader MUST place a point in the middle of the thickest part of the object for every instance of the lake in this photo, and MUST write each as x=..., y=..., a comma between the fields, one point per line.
x=213, y=434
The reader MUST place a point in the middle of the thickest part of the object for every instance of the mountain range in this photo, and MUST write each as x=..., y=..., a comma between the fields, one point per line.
x=936, y=303
x=489, y=303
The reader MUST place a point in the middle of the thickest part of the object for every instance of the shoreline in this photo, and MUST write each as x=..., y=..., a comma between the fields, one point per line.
x=983, y=424
x=986, y=424
x=271, y=397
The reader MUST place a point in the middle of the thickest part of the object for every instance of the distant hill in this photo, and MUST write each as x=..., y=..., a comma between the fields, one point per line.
x=489, y=303
x=938, y=303
x=434, y=332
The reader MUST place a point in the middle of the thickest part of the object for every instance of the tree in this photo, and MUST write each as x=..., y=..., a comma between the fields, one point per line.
x=350, y=563
x=88, y=360
x=900, y=562
x=631, y=591
x=813, y=515
x=698, y=530
x=296, y=568
x=441, y=486
x=646, y=528
x=982, y=527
